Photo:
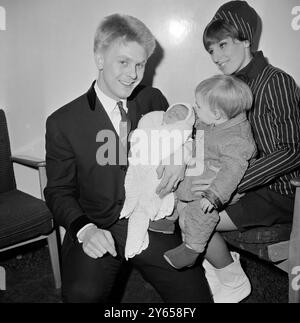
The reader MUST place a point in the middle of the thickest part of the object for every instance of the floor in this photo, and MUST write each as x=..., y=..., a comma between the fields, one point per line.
x=29, y=280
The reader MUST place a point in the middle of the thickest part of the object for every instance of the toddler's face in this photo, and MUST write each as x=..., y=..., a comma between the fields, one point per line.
x=204, y=112
x=176, y=113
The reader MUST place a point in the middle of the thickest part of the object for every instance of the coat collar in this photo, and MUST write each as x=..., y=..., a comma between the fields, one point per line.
x=91, y=96
x=131, y=104
x=254, y=68
x=240, y=118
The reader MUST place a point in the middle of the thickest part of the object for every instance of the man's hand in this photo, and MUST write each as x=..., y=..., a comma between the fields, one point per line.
x=206, y=205
x=97, y=242
x=171, y=176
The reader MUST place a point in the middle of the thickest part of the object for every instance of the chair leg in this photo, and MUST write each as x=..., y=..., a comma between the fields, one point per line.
x=2, y=279
x=54, y=256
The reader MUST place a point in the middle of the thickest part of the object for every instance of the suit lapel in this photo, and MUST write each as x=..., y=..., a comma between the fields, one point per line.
x=105, y=122
x=96, y=105
x=91, y=96
x=94, y=102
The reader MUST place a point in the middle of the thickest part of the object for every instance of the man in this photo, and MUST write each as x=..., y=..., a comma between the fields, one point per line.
x=86, y=197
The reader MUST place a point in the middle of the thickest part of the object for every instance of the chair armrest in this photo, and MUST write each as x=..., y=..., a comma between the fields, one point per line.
x=296, y=181
x=28, y=161
x=37, y=164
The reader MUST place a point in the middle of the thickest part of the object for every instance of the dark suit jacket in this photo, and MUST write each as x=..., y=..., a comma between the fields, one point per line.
x=79, y=190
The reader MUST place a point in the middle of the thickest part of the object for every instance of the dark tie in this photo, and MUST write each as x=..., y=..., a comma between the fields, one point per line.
x=125, y=124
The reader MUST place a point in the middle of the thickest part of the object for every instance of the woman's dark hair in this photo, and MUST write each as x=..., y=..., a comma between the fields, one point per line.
x=218, y=30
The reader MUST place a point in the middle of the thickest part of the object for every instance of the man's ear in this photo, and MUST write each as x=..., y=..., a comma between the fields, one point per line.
x=99, y=60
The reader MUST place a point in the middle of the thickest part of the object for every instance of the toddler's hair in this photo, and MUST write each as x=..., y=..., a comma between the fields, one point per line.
x=226, y=93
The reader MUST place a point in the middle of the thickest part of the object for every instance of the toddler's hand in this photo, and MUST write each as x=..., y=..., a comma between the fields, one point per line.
x=206, y=206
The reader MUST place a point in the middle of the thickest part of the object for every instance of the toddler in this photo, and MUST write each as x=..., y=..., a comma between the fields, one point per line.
x=221, y=105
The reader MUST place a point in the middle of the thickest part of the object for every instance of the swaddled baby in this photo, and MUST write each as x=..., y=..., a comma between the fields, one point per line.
x=159, y=135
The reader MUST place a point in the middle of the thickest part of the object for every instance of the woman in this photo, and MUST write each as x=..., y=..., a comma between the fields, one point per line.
x=275, y=119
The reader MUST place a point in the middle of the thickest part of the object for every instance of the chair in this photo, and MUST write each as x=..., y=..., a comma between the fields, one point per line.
x=278, y=244
x=23, y=218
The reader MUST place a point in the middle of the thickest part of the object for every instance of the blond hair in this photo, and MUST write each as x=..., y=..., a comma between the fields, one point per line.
x=225, y=93
x=125, y=28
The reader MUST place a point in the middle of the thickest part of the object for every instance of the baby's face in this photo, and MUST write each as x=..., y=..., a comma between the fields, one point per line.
x=176, y=113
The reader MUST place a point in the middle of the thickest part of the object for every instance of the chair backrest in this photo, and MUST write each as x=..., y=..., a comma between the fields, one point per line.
x=7, y=177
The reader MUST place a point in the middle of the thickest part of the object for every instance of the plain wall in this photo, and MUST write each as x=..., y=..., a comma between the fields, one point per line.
x=46, y=55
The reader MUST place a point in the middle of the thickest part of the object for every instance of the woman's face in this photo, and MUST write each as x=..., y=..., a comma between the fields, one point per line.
x=230, y=55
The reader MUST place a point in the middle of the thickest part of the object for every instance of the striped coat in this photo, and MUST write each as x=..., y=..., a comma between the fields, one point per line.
x=275, y=121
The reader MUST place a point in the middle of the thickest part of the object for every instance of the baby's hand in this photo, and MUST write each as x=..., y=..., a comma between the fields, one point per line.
x=206, y=206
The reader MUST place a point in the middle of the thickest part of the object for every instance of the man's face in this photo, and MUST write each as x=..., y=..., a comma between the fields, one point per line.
x=121, y=67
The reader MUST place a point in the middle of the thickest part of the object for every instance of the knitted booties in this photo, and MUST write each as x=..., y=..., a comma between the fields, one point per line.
x=163, y=226
x=181, y=256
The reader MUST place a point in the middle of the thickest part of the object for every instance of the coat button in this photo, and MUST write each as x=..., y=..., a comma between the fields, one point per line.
x=120, y=202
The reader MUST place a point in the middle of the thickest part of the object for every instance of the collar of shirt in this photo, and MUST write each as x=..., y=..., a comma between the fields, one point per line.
x=108, y=103
x=254, y=68
x=110, y=107
x=240, y=118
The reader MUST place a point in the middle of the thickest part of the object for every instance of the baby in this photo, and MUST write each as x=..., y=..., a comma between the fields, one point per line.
x=221, y=105
x=159, y=135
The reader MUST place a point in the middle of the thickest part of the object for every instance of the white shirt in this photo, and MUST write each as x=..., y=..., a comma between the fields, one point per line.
x=110, y=107
x=113, y=112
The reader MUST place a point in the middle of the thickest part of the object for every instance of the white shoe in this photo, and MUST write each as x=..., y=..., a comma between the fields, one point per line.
x=211, y=276
x=234, y=284
x=229, y=284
